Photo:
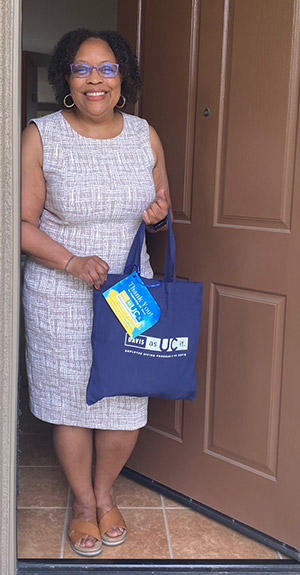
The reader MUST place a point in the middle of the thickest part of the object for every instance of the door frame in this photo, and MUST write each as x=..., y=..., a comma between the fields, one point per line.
x=10, y=130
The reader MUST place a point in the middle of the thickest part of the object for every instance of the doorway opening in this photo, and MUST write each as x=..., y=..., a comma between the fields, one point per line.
x=181, y=533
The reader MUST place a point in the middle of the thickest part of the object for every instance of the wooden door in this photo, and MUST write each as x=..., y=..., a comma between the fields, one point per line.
x=221, y=86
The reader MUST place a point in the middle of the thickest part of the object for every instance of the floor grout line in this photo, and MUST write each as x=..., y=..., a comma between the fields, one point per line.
x=140, y=507
x=167, y=527
x=120, y=507
x=36, y=507
x=66, y=523
x=177, y=508
x=153, y=507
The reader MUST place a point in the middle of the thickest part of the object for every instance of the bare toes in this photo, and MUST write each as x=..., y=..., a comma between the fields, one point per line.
x=114, y=531
x=87, y=541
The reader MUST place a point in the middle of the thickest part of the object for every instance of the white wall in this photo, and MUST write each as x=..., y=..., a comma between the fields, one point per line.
x=45, y=21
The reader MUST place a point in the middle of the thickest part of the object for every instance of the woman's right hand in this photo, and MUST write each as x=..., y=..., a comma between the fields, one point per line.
x=91, y=269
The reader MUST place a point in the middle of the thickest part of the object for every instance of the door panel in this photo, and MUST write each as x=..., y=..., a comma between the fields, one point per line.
x=127, y=21
x=232, y=151
x=246, y=329
x=258, y=115
x=169, y=63
x=166, y=418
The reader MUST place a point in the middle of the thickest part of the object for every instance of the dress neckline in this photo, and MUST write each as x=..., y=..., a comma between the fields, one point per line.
x=67, y=123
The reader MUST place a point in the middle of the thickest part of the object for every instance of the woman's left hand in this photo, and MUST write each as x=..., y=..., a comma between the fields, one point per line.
x=157, y=210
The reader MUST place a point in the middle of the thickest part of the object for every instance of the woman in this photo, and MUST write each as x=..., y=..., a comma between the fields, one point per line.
x=90, y=174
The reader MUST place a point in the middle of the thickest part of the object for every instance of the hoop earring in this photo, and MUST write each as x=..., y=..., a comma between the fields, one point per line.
x=123, y=103
x=65, y=101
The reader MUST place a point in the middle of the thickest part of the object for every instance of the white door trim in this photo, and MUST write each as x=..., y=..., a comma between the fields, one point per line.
x=10, y=128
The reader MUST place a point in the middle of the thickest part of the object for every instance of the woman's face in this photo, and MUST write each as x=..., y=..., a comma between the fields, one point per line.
x=95, y=96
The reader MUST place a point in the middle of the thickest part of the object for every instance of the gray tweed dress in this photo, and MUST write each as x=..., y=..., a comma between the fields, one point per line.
x=96, y=191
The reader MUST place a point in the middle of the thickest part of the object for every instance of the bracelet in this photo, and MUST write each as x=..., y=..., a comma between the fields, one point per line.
x=65, y=268
x=158, y=225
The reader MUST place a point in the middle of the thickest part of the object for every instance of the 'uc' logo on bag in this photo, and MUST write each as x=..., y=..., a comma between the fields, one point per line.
x=165, y=344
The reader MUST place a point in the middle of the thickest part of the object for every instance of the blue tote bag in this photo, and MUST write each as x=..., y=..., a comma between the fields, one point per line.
x=161, y=361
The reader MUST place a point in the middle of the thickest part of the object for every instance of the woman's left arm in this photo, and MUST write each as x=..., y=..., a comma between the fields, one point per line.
x=158, y=209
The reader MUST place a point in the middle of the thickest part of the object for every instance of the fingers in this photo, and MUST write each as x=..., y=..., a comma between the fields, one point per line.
x=95, y=272
x=91, y=269
x=157, y=210
x=95, y=278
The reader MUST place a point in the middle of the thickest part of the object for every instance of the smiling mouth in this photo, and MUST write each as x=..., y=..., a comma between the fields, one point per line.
x=95, y=93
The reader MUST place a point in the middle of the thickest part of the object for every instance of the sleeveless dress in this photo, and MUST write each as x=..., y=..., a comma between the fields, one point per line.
x=96, y=191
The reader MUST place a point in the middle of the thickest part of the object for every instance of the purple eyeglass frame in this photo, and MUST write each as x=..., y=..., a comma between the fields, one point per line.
x=98, y=68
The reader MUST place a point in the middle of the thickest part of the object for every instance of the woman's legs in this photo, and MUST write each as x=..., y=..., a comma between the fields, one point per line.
x=113, y=449
x=74, y=449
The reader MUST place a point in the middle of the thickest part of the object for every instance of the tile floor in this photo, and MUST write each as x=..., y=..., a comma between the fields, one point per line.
x=158, y=528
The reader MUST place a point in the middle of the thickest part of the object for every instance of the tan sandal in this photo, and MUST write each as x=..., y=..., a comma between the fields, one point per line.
x=108, y=519
x=79, y=528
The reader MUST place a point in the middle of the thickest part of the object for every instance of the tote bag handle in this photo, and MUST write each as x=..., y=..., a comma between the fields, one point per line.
x=134, y=256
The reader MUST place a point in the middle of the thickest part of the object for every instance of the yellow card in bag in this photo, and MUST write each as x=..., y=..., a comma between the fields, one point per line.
x=133, y=304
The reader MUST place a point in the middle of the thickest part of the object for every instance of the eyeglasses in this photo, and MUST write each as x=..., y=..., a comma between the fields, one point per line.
x=107, y=70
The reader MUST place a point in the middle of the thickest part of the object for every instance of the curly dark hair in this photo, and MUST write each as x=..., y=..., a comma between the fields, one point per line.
x=67, y=48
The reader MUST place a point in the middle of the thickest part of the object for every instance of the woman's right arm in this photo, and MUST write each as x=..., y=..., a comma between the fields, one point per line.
x=36, y=243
